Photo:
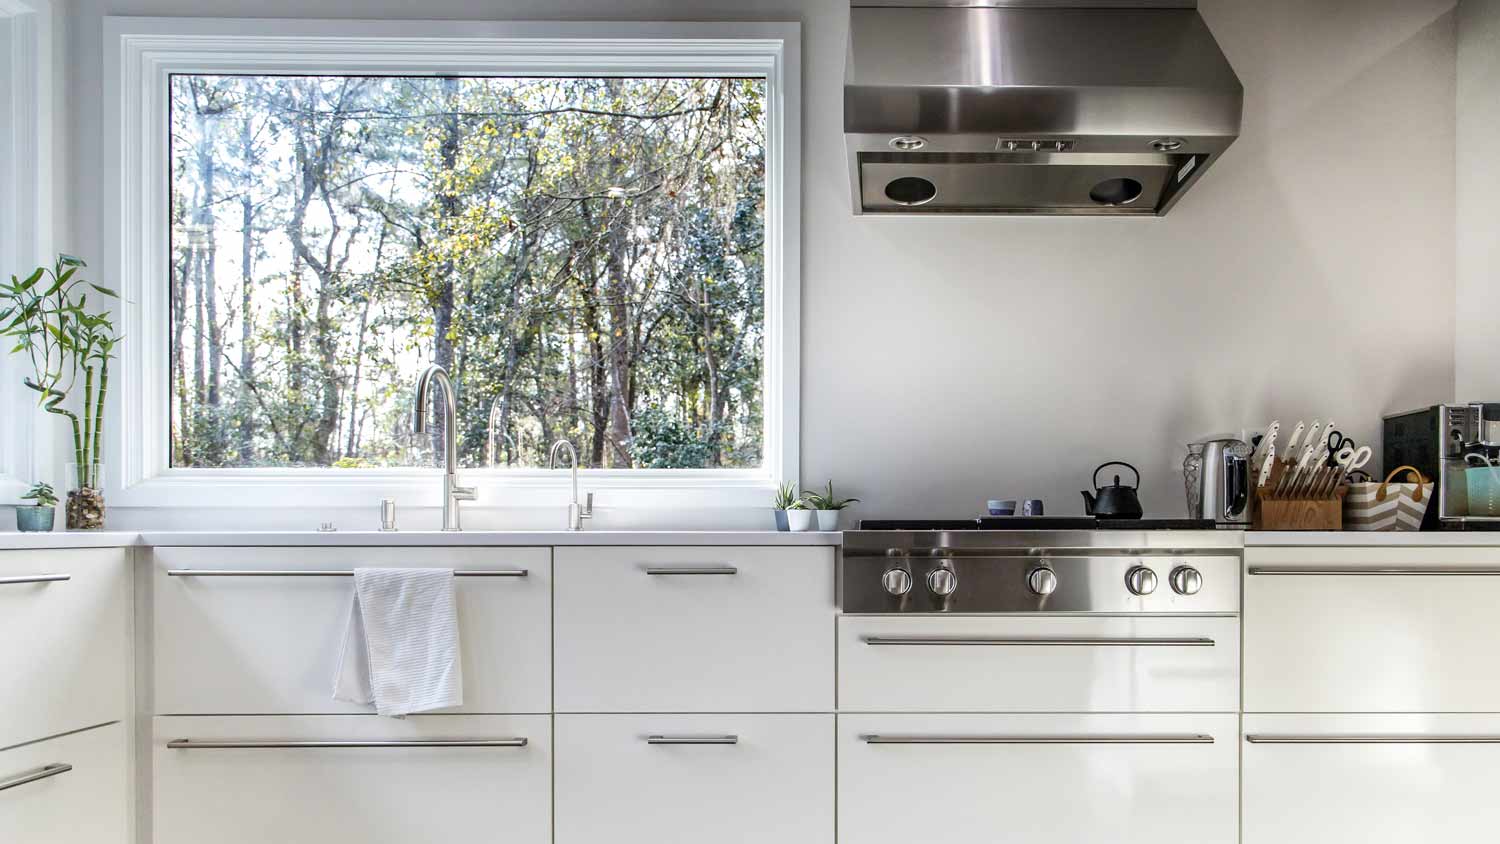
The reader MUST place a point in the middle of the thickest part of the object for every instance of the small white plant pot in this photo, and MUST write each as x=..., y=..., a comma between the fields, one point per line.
x=799, y=520
x=828, y=519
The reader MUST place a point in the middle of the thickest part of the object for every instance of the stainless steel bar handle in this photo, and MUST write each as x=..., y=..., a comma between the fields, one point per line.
x=692, y=739
x=1263, y=738
x=35, y=578
x=1024, y=739
x=324, y=573
x=671, y=570
x=1070, y=641
x=41, y=773
x=1374, y=571
x=279, y=744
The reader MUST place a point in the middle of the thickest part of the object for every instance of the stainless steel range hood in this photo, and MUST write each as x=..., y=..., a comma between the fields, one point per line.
x=1033, y=106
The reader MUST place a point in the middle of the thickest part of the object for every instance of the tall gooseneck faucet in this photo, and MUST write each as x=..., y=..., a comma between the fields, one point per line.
x=576, y=513
x=452, y=492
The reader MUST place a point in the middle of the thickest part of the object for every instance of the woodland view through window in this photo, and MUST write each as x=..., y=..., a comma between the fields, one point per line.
x=584, y=256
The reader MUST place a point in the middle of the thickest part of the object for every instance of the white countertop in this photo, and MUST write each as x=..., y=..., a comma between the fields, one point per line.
x=116, y=539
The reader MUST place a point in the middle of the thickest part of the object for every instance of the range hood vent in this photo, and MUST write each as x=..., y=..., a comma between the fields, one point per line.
x=1033, y=106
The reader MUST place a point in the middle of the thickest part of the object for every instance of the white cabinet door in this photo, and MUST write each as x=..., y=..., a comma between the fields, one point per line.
x=74, y=789
x=269, y=644
x=1372, y=630
x=726, y=779
x=694, y=629
x=396, y=793
x=1059, y=779
x=1038, y=664
x=1374, y=779
x=65, y=619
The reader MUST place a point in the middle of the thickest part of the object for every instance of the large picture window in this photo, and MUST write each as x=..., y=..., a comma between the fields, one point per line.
x=584, y=255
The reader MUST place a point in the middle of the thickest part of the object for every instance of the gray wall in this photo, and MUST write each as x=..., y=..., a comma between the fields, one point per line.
x=1311, y=272
x=1477, y=353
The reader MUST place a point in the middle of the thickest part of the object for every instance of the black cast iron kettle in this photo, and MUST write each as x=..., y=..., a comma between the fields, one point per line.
x=1114, y=502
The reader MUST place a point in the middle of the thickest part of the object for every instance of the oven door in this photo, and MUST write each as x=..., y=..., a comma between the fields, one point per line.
x=1062, y=779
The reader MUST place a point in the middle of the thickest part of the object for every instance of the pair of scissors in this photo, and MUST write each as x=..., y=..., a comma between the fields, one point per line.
x=1337, y=442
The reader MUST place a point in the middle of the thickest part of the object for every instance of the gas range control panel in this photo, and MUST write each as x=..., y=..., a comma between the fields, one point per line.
x=938, y=580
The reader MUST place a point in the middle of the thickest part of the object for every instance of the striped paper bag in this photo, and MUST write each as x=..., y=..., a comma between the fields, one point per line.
x=1388, y=506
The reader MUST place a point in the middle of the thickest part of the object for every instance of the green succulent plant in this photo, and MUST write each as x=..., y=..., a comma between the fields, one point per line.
x=786, y=497
x=42, y=494
x=826, y=500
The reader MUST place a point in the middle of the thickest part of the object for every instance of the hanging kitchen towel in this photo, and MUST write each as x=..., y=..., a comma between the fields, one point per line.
x=400, y=649
x=1389, y=505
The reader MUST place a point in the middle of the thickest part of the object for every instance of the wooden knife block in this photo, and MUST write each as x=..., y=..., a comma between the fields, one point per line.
x=1300, y=513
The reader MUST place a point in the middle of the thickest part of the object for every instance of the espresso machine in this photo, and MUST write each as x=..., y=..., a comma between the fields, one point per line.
x=1458, y=446
x=1216, y=472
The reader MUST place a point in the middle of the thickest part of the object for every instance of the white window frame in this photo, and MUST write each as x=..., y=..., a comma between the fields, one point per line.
x=26, y=209
x=140, y=54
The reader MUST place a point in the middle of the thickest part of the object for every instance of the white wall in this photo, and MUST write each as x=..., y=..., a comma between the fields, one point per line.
x=1477, y=351
x=950, y=360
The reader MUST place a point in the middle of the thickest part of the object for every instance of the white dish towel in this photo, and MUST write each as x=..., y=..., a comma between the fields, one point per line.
x=400, y=648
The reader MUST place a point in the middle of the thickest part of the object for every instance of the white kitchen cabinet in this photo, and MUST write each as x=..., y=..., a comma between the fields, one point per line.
x=1038, y=663
x=727, y=779
x=1060, y=779
x=73, y=789
x=1372, y=630
x=65, y=616
x=1374, y=779
x=694, y=629
x=398, y=793
x=269, y=644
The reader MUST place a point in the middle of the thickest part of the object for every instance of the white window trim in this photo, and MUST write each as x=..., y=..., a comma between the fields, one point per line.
x=140, y=53
x=25, y=210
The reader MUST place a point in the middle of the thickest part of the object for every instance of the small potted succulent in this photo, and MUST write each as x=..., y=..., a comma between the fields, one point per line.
x=39, y=516
x=786, y=499
x=828, y=506
x=798, y=517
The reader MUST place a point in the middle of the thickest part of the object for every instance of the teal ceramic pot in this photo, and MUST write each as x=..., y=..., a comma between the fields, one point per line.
x=35, y=519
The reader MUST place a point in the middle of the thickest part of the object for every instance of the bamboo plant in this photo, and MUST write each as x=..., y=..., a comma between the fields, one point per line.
x=47, y=314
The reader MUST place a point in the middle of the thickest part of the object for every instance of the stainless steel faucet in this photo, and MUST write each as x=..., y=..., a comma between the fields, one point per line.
x=492, y=452
x=576, y=514
x=452, y=492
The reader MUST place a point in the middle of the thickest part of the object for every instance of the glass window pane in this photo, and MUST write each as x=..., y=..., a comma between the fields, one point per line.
x=584, y=256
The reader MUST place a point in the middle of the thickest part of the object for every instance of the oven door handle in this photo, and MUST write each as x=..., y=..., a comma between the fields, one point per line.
x=1184, y=738
x=1373, y=571
x=1391, y=738
x=1040, y=641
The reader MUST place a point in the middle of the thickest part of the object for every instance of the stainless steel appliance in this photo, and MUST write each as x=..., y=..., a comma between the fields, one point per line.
x=1216, y=473
x=1033, y=106
x=1438, y=442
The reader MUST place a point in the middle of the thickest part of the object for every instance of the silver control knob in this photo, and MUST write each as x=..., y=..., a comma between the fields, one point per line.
x=896, y=582
x=942, y=582
x=1140, y=581
x=1186, y=580
x=1042, y=581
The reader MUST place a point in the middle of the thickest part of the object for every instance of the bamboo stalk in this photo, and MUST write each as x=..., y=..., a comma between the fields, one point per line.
x=99, y=409
x=88, y=420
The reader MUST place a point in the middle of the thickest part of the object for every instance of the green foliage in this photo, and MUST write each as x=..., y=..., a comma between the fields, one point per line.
x=47, y=314
x=42, y=494
x=786, y=496
x=664, y=442
x=826, y=500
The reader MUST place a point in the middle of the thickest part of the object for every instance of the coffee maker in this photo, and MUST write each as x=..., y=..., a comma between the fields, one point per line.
x=1458, y=446
x=1216, y=472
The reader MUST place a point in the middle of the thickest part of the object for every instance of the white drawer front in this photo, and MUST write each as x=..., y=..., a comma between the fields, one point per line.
x=1033, y=663
x=773, y=783
x=1060, y=779
x=1423, y=639
x=394, y=794
x=637, y=632
x=270, y=644
x=74, y=789
x=67, y=663
x=1375, y=779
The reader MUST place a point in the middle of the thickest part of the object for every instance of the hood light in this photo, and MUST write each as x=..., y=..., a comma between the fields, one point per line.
x=908, y=143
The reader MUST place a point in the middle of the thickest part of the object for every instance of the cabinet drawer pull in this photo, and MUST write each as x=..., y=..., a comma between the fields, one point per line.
x=41, y=773
x=692, y=739
x=324, y=573
x=1023, y=739
x=1373, y=571
x=1069, y=641
x=671, y=570
x=35, y=578
x=1265, y=738
x=277, y=744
